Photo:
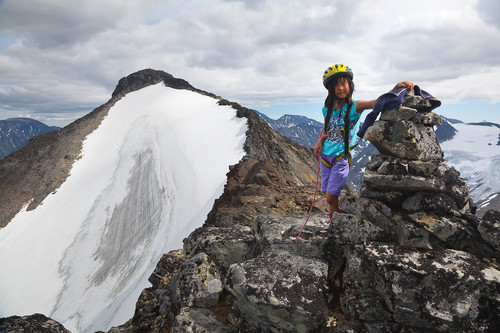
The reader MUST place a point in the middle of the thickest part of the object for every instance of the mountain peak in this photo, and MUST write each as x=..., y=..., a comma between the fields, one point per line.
x=146, y=77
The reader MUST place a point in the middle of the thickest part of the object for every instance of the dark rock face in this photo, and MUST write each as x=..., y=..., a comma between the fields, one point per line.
x=284, y=288
x=34, y=323
x=350, y=274
x=442, y=291
x=489, y=227
x=291, y=297
x=259, y=186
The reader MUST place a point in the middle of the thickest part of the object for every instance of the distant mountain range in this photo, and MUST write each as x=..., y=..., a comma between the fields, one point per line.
x=303, y=130
x=472, y=148
x=16, y=132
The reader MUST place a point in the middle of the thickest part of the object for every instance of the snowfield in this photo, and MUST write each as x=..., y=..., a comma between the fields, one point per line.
x=475, y=152
x=147, y=177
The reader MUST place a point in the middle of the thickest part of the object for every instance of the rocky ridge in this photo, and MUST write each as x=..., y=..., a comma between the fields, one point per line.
x=400, y=258
x=34, y=323
x=405, y=256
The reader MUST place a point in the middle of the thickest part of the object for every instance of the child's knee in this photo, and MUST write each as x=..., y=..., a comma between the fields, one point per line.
x=331, y=199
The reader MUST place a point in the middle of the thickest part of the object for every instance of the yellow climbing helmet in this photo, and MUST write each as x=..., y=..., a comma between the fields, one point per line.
x=336, y=71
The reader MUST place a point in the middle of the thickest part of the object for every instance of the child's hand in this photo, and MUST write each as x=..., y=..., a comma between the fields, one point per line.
x=318, y=147
x=405, y=84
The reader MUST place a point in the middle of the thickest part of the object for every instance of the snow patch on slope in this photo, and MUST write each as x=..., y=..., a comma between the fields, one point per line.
x=147, y=177
x=475, y=153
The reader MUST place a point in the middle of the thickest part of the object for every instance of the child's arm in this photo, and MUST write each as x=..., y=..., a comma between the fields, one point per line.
x=365, y=105
x=319, y=145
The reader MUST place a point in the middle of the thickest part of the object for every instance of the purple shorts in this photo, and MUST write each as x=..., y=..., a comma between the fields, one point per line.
x=333, y=180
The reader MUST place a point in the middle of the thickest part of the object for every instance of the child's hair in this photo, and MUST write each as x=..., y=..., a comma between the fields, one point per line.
x=331, y=99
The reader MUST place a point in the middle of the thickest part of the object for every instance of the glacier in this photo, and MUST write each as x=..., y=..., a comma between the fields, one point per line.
x=146, y=178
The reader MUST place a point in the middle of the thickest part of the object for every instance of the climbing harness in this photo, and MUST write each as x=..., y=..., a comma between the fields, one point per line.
x=338, y=158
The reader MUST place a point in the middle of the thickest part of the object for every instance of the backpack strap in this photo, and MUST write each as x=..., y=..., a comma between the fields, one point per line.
x=346, y=130
x=327, y=119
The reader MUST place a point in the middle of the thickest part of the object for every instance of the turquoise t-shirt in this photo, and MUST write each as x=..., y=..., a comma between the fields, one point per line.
x=334, y=144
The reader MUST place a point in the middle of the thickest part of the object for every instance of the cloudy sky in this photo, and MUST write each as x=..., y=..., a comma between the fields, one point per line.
x=60, y=59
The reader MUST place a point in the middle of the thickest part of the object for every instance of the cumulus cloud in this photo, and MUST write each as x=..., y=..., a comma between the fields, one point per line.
x=58, y=57
x=52, y=24
x=490, y=12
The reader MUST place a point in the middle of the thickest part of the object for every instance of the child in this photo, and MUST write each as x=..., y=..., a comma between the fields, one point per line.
x=334, y=144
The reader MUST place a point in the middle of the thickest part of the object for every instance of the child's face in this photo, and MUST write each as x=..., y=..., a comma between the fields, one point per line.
x=342, y=88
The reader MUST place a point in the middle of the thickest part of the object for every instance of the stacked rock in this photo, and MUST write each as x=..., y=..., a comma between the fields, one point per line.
x=411, y=172
x=410, y=243
x=411, y=177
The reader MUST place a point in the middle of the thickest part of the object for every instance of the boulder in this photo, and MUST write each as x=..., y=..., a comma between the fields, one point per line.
x=413, y=236
x=373, y=212
x=430, y=201
x=199, y=320
x=489, y=227
x=455, y=232
x=404, y=139
x=224, y=245
x=402, y=182
x=352, y=229
x=166, y=268
x=443, y=291
x=281, y=292
x=198, y=283
x=280, y=233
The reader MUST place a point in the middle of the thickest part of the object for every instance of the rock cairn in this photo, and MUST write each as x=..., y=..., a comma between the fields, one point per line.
x=411, y=177
x=416, y=259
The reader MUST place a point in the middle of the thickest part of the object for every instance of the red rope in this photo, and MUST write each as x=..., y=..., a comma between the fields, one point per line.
x=314, y=198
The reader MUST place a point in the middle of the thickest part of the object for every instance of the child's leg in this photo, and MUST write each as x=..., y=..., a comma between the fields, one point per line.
x=333, y=203
x=333, y=181
x=336, y=182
